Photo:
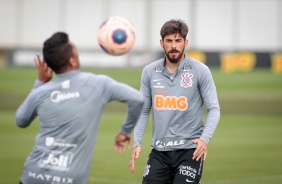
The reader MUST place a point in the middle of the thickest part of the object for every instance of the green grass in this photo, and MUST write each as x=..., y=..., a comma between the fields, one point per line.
x=246, y=147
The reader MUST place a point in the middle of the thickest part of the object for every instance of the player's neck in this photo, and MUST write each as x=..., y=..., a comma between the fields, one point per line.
x=171, y=67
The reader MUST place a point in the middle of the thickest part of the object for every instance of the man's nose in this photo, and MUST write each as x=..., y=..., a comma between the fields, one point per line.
x=173, y=45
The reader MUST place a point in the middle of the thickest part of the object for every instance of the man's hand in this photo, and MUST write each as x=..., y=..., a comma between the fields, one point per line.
x=120, y=142
x=201, y=149
x=135, y=154
x=44, y=72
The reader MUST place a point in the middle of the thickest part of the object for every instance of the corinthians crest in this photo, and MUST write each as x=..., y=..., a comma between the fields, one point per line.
x=186, y=80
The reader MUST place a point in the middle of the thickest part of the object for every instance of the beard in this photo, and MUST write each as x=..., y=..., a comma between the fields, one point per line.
x=174, y=58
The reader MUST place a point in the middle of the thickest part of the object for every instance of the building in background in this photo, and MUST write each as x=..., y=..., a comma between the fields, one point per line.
x=222, y=31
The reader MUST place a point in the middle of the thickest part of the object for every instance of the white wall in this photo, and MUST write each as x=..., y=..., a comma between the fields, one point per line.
x=8, y=23
x=213, y=24
x=258, y=25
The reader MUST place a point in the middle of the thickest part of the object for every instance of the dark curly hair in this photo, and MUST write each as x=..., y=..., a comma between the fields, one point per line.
x=57, y=51
x=174, y=26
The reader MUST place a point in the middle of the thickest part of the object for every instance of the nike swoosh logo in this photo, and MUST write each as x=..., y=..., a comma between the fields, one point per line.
x=189, y=181
x=156, y=80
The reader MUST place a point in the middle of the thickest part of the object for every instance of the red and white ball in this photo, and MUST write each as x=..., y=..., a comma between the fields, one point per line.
x=116, y=36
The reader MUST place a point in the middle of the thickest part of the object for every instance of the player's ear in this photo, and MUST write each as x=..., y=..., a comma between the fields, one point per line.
x=186, y=43
x=72, y=62
x=162, y=43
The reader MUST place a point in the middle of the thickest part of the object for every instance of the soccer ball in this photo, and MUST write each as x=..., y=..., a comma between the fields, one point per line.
x=116, y=36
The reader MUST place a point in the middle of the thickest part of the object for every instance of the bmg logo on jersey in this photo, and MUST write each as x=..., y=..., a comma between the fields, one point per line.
x=170, y=103
x=56, y=160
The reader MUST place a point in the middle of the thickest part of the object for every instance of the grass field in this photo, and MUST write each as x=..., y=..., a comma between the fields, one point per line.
x=246, y=147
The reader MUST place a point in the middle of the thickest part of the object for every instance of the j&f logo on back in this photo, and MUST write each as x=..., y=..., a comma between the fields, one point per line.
x=56, y=160
x=170, y=103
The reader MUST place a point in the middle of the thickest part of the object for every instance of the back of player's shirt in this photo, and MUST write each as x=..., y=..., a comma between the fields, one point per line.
x=70, y=108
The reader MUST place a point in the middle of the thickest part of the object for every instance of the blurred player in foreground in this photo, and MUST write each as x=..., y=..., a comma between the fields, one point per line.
x=176, y=88
x=69, y=109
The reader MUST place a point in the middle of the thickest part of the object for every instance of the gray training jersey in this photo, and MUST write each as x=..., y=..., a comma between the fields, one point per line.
x=69, y=110
x=177, y=103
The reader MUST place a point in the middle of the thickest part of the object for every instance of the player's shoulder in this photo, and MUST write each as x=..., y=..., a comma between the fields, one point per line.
x=198, y=65
x=93, y=78
x=156, y=65
x=41, y=90
x=202, y=70
x=86, y=75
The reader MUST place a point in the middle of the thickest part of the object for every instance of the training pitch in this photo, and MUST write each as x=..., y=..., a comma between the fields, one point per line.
x=245, y=149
